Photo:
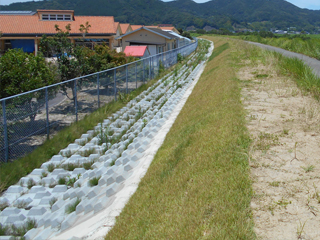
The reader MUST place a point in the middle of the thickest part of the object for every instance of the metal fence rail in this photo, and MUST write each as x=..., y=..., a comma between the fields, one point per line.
x=28, y=119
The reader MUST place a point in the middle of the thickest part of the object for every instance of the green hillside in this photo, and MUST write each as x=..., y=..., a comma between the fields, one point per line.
x=230, y=14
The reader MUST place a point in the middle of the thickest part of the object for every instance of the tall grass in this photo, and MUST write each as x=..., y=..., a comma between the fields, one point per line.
x=198, y=184
x=307, y=46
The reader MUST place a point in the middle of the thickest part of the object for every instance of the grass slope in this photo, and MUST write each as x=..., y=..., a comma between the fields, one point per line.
x=198, y=185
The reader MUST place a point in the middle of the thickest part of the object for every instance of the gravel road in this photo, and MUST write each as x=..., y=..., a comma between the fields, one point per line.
x=312, y=62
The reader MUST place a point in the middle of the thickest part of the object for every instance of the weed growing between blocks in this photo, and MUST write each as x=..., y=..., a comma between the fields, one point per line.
x=198, y=184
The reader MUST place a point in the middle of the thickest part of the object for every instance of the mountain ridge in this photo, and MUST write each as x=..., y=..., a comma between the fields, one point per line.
x=230, y=14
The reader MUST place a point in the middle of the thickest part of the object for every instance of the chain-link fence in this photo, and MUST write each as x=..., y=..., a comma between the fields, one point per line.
x=28, y=119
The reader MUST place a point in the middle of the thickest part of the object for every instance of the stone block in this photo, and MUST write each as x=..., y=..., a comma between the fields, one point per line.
x=73, y=146
x=137, y=156
x=23, y=200
x=37, y=171
x=36, y=211
x=142, y=149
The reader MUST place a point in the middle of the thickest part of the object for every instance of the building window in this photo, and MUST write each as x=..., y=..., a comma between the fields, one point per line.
x=55, y=17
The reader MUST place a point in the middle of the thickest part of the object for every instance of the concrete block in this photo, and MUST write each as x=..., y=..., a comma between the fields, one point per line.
x=102, y=204
x=56, y=221
x=128, y=167
x=57, y=159
x=74, y=193
x=120, y=179
x=58, y=205
x=48, y=180
x=59, y=189
x=83, y=191
x=44, y=234
x=36, y=189
x=16, y=189
x=94, y=157
x=45, y=201
x=73, y=146
x=137, y=156
x=112, y=189
x=40, y=195
x=37, y=171
x=77, y=171
x=15, y=218
x=10, y=211
x=23, y=200
x=58, y=171
x=89, y=206
x=7, y=238
x=118, y=162
x=31, y=234
x=36, y=211
x=94, y=192
x=142, y=149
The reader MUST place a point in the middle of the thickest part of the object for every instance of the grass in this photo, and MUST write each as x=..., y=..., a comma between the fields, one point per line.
x=12, y=230
x=72, y=207
x=198, y=185
x=94, y=181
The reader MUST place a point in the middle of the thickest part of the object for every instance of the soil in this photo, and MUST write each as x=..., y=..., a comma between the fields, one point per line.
x=285, y=155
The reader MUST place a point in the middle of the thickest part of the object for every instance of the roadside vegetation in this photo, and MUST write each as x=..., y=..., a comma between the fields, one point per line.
x=198, y=184
x=308, y=45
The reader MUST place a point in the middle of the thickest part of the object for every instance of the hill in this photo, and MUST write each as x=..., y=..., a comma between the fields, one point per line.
x=230, y=14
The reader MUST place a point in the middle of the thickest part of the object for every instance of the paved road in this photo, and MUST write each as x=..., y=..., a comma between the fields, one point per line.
x=312, y=62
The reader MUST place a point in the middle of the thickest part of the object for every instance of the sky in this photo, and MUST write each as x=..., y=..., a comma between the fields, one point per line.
x=310, y=4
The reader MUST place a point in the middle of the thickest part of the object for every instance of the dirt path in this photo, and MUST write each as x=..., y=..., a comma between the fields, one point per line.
x=285, y=155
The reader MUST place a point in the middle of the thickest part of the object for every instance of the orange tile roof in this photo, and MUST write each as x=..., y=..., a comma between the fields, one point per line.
x=135, y=27
x=19, y=24
x=152, y=27
x=167, y=28
x=124, y=27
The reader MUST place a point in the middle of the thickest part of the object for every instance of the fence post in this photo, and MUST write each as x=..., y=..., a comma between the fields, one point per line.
x=47, y=114
x=143, y=71
x=5, y=131
x=136, y=76
x=75, y=99
x=115, y=84
x=98, y=90
x=150, y=68
x=126, y=78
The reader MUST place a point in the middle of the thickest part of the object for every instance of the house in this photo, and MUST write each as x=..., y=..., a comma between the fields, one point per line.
x=155, y=39
x=137, y=51
x=24, y=29
x=125, y=28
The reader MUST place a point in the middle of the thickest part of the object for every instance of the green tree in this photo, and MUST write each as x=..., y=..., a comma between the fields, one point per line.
x=22, y=72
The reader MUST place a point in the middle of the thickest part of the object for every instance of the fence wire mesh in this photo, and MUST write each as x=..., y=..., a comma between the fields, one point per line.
x=28, y=119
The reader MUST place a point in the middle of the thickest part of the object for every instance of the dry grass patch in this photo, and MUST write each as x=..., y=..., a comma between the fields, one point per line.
x=198, y=185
